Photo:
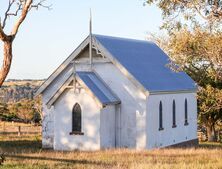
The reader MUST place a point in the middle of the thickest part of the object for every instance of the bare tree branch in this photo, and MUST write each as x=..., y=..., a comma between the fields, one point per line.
x=16, y=12
x=198, y=11
x=25, y=9
x=40, y=4
x=10, y=3
x=26, y=6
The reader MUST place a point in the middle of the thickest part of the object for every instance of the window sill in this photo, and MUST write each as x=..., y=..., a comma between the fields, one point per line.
x=161, y=128
x=186, y=124
x=174, y=126
x=76, y=133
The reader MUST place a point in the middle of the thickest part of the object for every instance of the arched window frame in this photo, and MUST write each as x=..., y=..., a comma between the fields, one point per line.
x=186, y=113
x=174, y=114
x=76, y=120
x=160, y=116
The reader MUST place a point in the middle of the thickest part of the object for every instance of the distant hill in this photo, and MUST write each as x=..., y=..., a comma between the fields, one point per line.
x=14, y=90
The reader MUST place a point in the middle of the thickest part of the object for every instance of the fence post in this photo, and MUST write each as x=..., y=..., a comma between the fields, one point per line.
x=19, y=130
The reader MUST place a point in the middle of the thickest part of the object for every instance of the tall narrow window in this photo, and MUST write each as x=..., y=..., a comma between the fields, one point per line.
x=160, y=116
x=174, y=114
x=76, y=119
x=186, y=113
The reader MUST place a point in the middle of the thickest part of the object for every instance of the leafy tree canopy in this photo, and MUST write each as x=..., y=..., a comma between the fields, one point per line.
x=197, y=53
x=173, y=12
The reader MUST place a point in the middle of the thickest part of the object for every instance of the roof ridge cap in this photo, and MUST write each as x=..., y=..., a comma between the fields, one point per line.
x=125, y=38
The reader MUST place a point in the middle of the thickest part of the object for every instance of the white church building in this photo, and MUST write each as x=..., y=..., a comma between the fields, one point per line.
x=117, y=93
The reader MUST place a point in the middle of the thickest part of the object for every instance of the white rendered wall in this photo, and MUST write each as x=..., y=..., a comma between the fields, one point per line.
x=107, y=127
x=47, y=126
x=63, y=122
x=133, y=106
x=48, y=115
x=169, y=135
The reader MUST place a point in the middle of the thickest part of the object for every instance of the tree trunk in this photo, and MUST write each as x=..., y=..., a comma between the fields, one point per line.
x=211, y=135
x=6, y=61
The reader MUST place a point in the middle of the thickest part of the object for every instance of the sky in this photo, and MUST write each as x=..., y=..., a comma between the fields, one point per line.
x=47, y=37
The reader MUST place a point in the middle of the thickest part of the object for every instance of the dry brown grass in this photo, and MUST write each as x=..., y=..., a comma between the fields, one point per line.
x=26, y=153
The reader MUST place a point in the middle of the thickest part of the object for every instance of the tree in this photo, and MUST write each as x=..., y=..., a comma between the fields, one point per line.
x=174, y=12
x=24, y=110
x=196, y=52
x=19, y=9
x=210, y=109
x=3, y=109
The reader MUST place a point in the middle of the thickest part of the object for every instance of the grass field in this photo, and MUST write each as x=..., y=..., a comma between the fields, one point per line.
x=25, y=153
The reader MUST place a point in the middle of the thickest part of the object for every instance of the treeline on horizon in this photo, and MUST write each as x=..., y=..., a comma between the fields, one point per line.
x=17, y=101
x=15, y=80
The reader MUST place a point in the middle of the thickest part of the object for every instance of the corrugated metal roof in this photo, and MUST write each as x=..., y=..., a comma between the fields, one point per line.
x=98, y=87
x=147, y=63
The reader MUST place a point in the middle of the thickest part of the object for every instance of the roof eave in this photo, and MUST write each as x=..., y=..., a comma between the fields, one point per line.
x=173, y=92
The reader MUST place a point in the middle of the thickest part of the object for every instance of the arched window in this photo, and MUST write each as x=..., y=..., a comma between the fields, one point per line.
x=76, y=119
x=186, y=113
x=160, y=116
x=174, y=114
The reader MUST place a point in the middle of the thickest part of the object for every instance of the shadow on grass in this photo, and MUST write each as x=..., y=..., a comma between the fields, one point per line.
x=58, y=160
x=13, y=149
x=19, y=146
x=210, y=145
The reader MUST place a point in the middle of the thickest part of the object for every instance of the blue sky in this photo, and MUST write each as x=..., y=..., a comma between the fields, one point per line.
x=46, y=38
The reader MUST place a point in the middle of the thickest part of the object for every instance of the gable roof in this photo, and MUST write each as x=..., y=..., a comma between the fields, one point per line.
x=102, y=92
x=147, y=63
x=142, y=61
x=94, y=85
